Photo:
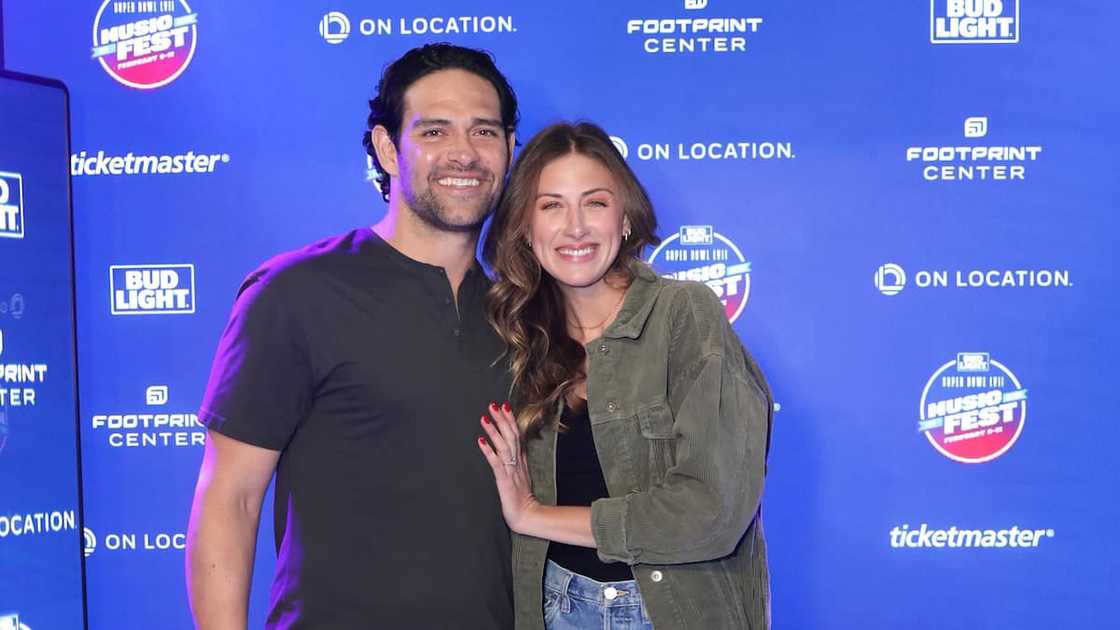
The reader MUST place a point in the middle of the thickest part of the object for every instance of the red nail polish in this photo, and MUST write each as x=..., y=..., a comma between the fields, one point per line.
x=506, y=406
x=485, y=420
x=481, y=441
x=494, y=406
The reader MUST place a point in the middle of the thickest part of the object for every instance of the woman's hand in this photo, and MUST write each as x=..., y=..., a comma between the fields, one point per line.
x=507, y=459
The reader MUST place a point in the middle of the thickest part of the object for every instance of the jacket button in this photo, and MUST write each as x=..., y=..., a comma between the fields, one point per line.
x=655, y=576
x=611, y=406
x=604, y=348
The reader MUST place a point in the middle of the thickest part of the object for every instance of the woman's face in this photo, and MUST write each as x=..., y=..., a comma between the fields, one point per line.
x=577, y=221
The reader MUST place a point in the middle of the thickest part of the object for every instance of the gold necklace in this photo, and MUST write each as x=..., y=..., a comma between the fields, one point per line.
x=611, y=314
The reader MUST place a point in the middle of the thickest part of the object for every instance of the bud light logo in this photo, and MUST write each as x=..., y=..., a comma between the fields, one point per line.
x=974, y=21
x=973, y=409
x=698, y=252
x=151, y=289
x=145, y=45
x=11, y=205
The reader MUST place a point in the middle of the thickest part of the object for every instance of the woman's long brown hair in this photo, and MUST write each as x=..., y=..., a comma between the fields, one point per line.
x=526, y=306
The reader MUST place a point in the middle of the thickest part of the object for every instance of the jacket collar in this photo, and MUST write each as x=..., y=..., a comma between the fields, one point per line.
x=637, y=305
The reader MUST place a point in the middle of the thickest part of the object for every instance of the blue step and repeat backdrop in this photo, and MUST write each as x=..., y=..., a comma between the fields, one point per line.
x=909, y=209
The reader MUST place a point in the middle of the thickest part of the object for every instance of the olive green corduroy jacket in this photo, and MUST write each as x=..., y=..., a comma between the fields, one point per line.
x=681, y=417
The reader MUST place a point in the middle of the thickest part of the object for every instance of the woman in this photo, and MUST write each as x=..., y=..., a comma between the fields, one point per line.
x=631, y=471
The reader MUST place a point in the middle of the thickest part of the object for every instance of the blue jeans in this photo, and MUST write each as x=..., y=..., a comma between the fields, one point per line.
x=575, y=602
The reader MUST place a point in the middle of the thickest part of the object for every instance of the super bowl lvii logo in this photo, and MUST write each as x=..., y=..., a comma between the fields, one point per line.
x=973, y=408
x=145, y=45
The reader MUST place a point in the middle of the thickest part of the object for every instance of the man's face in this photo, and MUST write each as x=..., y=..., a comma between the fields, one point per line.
x=453, y=150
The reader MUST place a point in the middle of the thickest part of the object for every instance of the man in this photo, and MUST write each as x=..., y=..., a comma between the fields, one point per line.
x=357, y=369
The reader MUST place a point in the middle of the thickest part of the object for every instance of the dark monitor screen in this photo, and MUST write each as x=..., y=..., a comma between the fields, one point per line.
x=40, y=512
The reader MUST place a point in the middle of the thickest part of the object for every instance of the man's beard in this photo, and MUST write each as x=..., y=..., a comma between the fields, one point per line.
x=429, y=209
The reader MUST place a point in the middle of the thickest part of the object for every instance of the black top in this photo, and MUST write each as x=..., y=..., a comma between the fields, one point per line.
x=579, y=481
x=353, y=361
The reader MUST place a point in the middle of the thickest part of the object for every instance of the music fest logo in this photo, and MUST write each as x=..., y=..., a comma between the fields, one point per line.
x=145, y=44
x=974, y=21
x=698, y=252
x=973, y=409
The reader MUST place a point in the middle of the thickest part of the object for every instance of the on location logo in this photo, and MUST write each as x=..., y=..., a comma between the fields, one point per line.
x=151, y=289
x=334, y=27
x=973, y=21
x=890, y=279
x=620, y=144
x=11, y=205
x=695, y=4
x=89, y=542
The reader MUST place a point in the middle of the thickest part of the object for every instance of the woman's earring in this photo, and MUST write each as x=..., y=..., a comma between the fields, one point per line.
x=528, y=243
x=626, y=234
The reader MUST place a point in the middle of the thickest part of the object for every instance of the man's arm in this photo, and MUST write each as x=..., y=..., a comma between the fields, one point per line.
x=222, y=533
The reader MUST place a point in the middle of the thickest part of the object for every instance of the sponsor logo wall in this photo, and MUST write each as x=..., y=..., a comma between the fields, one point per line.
x=914, y=239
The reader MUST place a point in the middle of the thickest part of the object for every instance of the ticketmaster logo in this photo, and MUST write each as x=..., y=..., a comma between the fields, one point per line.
x=156, y=164
x=955, y=538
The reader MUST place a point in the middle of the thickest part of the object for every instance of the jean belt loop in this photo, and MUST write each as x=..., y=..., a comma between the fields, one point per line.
x=565, y=601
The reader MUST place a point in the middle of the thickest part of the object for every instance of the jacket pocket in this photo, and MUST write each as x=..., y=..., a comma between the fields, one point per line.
x=656, y=425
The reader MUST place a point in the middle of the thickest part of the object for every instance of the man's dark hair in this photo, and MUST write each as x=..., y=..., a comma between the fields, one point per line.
x=387, y=107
